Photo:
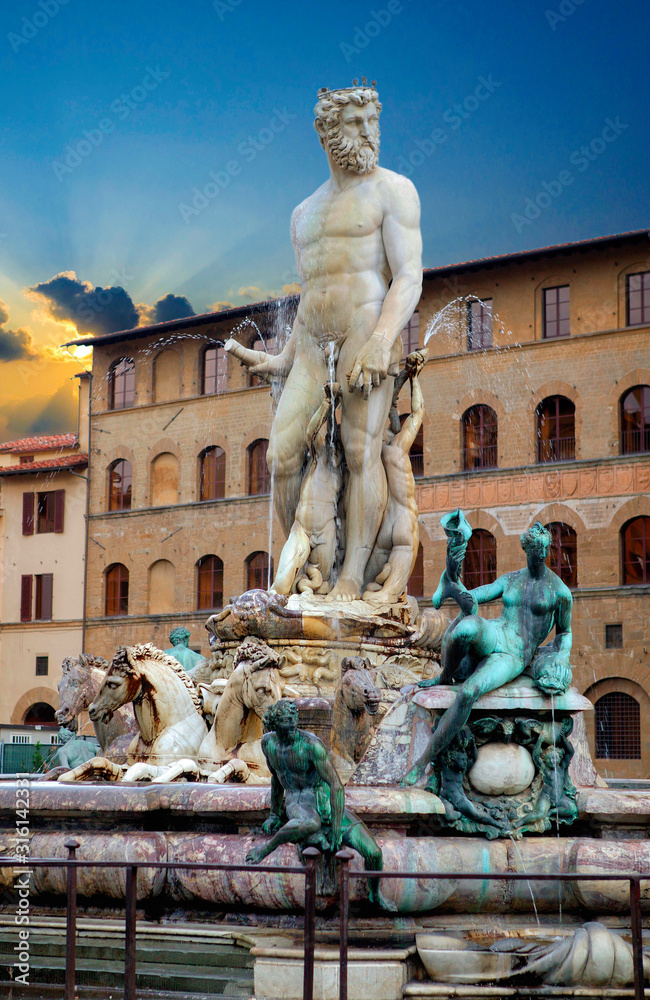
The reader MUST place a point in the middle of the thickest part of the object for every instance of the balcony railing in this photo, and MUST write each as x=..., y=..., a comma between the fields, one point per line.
x=556, y=449
x=480, y=457
x=635, y=442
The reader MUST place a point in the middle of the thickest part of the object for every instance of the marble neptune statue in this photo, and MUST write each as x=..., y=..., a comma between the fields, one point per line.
x=359, y=256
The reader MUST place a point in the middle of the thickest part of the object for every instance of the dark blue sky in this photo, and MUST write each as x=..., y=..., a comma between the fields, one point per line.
x=112, y=212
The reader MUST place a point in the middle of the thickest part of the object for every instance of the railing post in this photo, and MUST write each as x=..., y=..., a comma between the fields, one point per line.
x=129, y=932
x=344, y=858
x=309, y=854
x=637, y=937
x=71, y=921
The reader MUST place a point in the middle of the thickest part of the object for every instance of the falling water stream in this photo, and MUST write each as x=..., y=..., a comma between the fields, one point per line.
x=530, y=888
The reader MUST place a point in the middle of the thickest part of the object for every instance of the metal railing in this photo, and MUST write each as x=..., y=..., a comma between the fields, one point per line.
x=482, y=456
x=635, y=442
x=345, y=875
x=560, y=449
x=308, y=871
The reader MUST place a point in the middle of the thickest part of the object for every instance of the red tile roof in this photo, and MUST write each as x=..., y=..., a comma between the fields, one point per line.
x=46, y=465
x=46, y=442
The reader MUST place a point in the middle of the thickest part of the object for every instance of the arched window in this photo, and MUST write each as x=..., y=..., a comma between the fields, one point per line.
x=121, y=384
x=209, y=583
x=162, y=578
x=120, y=481
x=480, y=566
x=259, y=477
x=166, y=376
x=480, y=438
x=40, y=714
x=164, y=480
x=212, y=474
x=556, y=429
x=270, y=346
x=635, y=538
x=416, y=451
x=257, y=571
x=562, y=555
x=618, y=727
x=214, y=370
x=416, y=580
x=635, y=420
x=117, y=590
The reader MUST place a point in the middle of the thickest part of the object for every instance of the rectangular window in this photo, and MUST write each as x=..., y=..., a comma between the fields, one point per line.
x=41, y=666
x=556, y=312
x=613, y=637
x=28, y=513
x=638, y=298
x=25, y=598
x=26, y=459
x=49, y=511
x=15, y=738
x=411, y=336
x=479, y=324
x=43, y=597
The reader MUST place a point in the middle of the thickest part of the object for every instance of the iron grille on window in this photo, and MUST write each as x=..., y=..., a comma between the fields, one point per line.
x=618, y=727
x=556, y=312
x=41, y=666
x=638, y=298
x=479, y=324
x=480, y=438
x=613, y=637
x=556, y=436
x=635, y=420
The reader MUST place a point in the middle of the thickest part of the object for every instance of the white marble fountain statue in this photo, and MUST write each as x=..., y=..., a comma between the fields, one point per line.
x=459, y=745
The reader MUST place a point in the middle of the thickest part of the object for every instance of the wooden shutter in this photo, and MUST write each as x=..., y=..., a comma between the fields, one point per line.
x=26, y=595
x=59, y=504
x=28, y=515
x=47, y=580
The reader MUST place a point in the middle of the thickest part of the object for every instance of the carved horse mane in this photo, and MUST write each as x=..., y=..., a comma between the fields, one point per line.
x=132, y=658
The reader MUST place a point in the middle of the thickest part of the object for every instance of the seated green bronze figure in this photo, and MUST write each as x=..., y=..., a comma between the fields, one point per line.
x=180, y=648
x=483, y=654
x=306, y=788
x=73, y=750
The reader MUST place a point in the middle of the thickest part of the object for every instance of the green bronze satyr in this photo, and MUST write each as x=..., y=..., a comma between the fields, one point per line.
x=180, y=648
x=306, y=788
x=73, y=750
x=483, y=654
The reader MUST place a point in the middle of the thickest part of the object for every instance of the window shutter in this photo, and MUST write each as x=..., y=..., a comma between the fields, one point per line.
x=28, y=515
x=46, y=596
x=59, y=504
x=26, y=595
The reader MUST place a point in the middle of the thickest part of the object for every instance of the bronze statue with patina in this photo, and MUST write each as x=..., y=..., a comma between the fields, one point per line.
x=307, y=790
x=483, y=654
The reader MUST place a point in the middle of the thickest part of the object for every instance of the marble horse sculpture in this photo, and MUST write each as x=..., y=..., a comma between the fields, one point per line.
x=484, y=654
x=80, y=682
x=359, y=257
x=167, y=710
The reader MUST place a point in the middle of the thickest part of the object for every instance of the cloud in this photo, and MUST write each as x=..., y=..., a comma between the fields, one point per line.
x=172, y=307
x=294, y=288
x=15, y=345
x=92, y=310
x=252, y=292
x=220, y=306
x=40, y=414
